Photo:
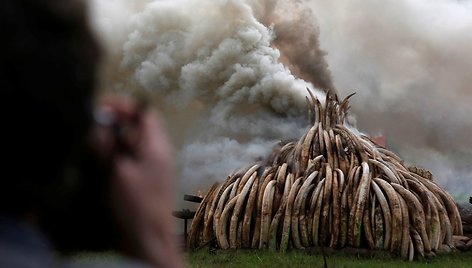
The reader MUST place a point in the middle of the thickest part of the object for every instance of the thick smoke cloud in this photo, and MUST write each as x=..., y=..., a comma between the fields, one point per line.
x=215, y=75
x=411, y=65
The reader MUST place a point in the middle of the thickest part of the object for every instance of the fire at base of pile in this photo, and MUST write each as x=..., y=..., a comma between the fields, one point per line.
x=333, y=187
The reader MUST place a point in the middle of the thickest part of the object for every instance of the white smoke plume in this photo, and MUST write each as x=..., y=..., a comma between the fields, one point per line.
x=216, y=75
x=410, y=62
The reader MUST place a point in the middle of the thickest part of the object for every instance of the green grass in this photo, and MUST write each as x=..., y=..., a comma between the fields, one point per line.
x=249, y=258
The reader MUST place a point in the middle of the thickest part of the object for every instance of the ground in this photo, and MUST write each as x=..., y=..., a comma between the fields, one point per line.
x=246, y=258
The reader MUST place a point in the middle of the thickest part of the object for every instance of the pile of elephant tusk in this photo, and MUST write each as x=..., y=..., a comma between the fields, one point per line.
x=334, y=187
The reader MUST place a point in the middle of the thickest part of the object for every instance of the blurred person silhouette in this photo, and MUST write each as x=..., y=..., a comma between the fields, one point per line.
x=79, y=172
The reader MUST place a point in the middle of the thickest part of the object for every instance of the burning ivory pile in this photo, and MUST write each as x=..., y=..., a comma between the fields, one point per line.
x=333, y=187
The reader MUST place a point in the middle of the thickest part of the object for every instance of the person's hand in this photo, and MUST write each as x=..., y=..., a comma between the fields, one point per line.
x=131, y=136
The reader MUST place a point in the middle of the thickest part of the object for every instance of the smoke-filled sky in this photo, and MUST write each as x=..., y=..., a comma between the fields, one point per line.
x=410, y=62
x=230, y=75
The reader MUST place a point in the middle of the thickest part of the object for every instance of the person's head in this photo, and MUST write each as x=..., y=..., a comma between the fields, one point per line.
x=48, y=73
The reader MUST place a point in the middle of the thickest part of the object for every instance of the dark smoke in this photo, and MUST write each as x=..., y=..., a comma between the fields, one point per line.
x=297, y=38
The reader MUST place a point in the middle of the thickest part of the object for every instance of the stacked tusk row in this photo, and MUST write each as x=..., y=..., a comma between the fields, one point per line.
x=333, y=187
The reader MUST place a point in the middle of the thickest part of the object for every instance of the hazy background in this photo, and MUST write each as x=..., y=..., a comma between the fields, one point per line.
x=229, y=76
x=411, y=64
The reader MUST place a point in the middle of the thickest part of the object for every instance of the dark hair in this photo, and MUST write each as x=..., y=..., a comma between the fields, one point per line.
x=48, y=74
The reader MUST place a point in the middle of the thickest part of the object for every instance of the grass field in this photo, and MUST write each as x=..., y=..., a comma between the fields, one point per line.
x=247, y=258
